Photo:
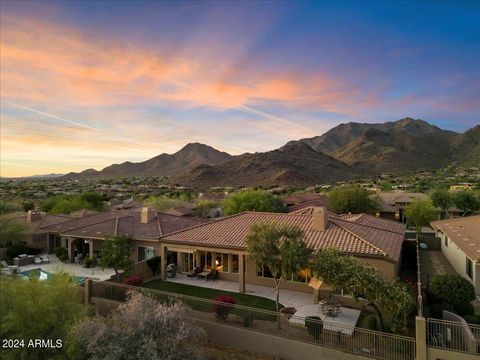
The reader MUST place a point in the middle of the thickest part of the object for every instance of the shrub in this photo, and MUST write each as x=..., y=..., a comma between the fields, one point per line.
x=222, y=306
x=59, y=251
x=465, y=309
x=472, y=319
x=134, y=280
x=19, y=248
x=63, y=257
x=369, y=322
x=88, y=262
x=314, y=326
x=452, y=289
x=153, y=263
x=437, y=309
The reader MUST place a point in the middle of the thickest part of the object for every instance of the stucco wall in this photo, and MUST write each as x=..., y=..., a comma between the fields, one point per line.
x=457, y=259
x=388, y=269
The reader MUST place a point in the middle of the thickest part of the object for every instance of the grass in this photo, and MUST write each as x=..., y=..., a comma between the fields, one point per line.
x=210, y=294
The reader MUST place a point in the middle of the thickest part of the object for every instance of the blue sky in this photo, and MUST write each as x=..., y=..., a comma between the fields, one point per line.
x=86, y=84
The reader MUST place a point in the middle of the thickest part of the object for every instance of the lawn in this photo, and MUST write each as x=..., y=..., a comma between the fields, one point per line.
x=207, y=293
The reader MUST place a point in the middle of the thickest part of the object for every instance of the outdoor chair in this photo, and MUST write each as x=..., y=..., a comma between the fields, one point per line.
x=195, y=272
x=213, y=275
x=46, y=259
x=204, y=274
x=38, y=260
x=3, y=264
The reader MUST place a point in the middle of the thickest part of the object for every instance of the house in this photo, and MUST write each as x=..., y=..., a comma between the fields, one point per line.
x=296, y=202
x=221, y=244
x=35, y=221
x=143, y=226
x=460, y=243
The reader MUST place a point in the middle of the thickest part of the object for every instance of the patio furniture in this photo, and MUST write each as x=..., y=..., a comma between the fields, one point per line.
x=204, y=274
x=38, y=260
x=213, y=275
x=23, y=260
x=172, y=270
x=195, y=272
x=3, y=264
x=46, y=259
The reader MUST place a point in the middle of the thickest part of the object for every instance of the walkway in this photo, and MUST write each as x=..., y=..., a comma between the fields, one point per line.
x=433, y=262
x=56, y=265
x=287, y=297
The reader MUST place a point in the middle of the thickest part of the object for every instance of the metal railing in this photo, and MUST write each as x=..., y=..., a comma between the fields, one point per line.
x=453, y=336
x=355, y=340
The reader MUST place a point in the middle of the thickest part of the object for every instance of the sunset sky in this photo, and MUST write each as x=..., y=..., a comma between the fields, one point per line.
x=86, y=84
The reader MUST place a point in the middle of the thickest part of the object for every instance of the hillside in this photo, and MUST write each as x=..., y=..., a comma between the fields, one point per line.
x=189, y=157
x=466, y=147
x=292, y=164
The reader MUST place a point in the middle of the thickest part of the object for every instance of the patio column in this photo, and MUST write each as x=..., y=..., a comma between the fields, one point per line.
x=421, y=338
x=71, y=250
x=90, y=248
x=241, y=275
x=163, y=262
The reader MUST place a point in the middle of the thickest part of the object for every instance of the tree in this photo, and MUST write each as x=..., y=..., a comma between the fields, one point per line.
x=11, y=231
x=389, y=299
x=141, y=329
x=354, y=200
x=451, y=289
x=162, y=203
x=420, y=213
x=253, y=200
x=65, y=204
x=467, y=201
x=116, y=254
x=203, y=207
x=443, y=199
x=28, y=205
x=8, y=206
x=37, y=309
x=280, y=249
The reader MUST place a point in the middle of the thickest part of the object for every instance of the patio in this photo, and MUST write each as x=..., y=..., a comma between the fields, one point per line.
x=433, y=262
x=56, y=265
x=288, y=298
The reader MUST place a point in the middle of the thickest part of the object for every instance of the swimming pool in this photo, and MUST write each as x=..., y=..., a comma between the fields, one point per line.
x=43, y=275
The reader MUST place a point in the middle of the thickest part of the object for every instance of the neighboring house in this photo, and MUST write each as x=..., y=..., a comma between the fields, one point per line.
x=36, y=221
x=221, y=244
x=301, y=201
x=143, y=227
x=127, y=204
x=394, y=204
x=460, y=239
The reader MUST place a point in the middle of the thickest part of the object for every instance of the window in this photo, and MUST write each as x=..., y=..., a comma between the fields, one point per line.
x=145, y=252
x=265, y=272
x=469, y=268
x=221, y=262
x=302, y=276
x=446, y=241
x=235, y=265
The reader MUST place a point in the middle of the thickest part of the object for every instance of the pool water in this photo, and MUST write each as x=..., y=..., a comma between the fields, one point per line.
x=45, y=275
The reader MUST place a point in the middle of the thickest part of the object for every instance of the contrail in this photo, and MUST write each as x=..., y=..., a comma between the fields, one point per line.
x=54, y=116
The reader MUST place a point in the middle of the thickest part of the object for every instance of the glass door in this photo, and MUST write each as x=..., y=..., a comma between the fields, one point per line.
x=187, y=262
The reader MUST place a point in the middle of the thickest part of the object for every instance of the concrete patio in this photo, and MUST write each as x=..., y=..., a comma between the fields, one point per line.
x=56, y=265
x=287, y=297
x=433, y=262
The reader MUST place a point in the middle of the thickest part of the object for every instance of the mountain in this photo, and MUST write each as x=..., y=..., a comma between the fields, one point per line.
x=466, y=147
x=392, y=147
x=293, y=164
x=189, y=157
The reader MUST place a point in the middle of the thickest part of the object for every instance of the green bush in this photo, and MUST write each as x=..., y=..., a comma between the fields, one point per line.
x=314, y=326
x=153, y=263
x=465, y=309
x=369, y=322
x=472, y=319
x=88, y=262
x=452, y=289
x=60, y=251
x=436, y=310
x=19, y=248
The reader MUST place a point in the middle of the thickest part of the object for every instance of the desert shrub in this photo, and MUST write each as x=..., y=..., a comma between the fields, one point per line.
x=436, y=310
x=134, y=280
x=153, y=263
x=314, y=326
x=222, y=306
x=452, y=289
x=59, y=251
x=472, y=319
x=465, y=309
x=19, y=248
x=369, y=322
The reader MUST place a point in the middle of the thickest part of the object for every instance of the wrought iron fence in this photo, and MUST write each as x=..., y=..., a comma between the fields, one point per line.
x=355, y=340
x=454, y=336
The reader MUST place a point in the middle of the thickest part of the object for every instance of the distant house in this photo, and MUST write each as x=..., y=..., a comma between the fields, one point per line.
x=221, y=244
x=296, y=202
x=143, y=226
x=460, y=239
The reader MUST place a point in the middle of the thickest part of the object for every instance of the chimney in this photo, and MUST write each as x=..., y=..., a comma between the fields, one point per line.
x=147, y=215
x=33, y=216
x=320, y=218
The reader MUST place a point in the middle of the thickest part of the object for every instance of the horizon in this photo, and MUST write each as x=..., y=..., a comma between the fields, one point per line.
x=86, y=84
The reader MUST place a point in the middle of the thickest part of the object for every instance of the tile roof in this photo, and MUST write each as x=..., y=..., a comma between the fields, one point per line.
x=126, y=223
x=36, y=226
x=464, y=232
x=355, y=234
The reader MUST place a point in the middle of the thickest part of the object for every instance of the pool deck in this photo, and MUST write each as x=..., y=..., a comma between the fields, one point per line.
x=56, y=265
